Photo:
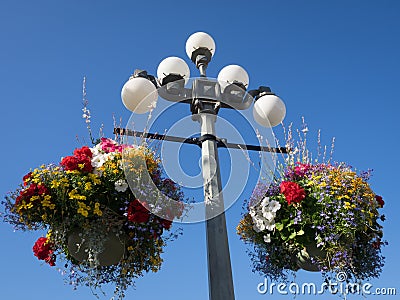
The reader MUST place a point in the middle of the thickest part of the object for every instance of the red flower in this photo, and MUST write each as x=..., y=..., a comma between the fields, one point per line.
x=42, y=190
x=138, y=212
x=81, y=163
x=26, y=178
x=166, y=224
x=70, y=163
x=292, y=191
x=43, y=250
x=19, y=199
x=83, y=152
x=33, y=190
x=377, y=244
x=87, y=164
x=379, y=200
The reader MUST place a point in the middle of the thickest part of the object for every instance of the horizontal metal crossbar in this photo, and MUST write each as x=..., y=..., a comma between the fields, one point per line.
x=222, y=143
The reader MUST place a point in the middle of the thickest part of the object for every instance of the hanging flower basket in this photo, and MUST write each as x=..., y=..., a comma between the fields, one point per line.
x=306, y=258
x=93, y=221
x=112, y=249
x=319, y=217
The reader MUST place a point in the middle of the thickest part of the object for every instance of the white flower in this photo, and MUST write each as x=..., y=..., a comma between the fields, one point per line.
x=264, y=215
x=98, y=159
x=265, y=202
x=268, y=214
x=267, y=238
x=274, y=206
x=258, y=225
x=96, y=149
x=269, y=225
x=121, y=185
x=253, y=211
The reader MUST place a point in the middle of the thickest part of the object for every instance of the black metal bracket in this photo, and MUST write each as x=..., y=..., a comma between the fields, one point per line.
x=144, y=74
x=207, y=137
x=205, y=106
x=261, y=91
x=201, y=56
x=221, y=143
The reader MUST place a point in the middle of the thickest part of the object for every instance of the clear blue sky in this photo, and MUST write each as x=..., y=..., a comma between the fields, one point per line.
x=334, y=62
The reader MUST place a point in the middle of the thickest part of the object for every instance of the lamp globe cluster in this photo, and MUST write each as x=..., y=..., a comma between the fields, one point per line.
x=139, y=93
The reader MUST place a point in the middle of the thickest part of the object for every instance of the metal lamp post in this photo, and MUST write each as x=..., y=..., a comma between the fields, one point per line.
x=205, y=97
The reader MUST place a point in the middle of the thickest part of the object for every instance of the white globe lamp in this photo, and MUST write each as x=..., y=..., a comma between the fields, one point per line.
x=269, y=110
x=139, y=95
x=233, y=74
x=173, y=66
x=199, y=40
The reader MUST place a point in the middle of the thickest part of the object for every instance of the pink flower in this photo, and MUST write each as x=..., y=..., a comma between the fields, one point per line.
x=108, y=145
x=301, y=169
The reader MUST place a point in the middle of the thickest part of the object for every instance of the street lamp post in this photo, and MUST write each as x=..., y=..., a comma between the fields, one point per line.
x=206, y=97
x=218, y=257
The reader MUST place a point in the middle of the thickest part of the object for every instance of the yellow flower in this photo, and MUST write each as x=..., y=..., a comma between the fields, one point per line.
x=88, y=186
x=47, y=203
x=315, y=178
x=344, y=196
x=97, y=209
x=72, y=172
x=74, y=195
x=83, y=209
x=64, y=182
x=36, y=179
x=95, y=178
x=34, y=198
x=55, y=184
